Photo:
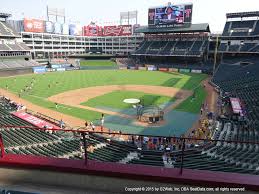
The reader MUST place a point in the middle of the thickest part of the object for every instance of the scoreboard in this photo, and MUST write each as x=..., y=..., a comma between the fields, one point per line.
x=170, y=15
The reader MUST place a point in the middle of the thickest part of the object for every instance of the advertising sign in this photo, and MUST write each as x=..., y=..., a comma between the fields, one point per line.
x=150, y=68
x=39, y=69
x=92, y=30
x=142, y=68
x=196, y=71
x=72, y=68
x=79, y=30
x=173, y=69
x=49, y=27
x=236, y=106
x=34, y=120
x=58, y=28
x=61, y=69
x=163, y=69
x=122, y=30
x=184, y=70
x=34, y=25
x=65, y=29
x=55, y=66
x=72, y=29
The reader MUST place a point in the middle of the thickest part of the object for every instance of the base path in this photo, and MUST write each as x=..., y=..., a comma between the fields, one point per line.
x=72, y=121
x=76, y=97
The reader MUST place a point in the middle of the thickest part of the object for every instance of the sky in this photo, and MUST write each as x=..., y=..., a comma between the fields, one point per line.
x=107, y=12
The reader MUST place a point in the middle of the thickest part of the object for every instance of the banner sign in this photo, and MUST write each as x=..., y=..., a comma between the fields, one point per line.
x=49, y=27
x=50, y=70
x=92, y=30
x=72, y=68
x=173, y=69
x=236, y=106
x=39, y=69
x=35, y=121
x=196, y=71
x=33, y=25
x=142, y=68
x=61, y=69
x=55, y=66
x=150, y=68
x=184, y=70
x=163, y=69
x=122, y=30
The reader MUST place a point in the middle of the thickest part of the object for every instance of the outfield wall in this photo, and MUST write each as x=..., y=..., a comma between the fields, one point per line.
x=154, y=68
x=98, y=67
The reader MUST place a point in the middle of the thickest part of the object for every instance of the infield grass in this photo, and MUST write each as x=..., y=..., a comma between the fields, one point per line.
x=115, y=99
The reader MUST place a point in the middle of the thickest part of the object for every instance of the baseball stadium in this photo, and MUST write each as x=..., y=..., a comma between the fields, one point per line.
x=164, y=107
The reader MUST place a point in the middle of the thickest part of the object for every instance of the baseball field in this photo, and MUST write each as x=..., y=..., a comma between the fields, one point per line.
x=87, y=94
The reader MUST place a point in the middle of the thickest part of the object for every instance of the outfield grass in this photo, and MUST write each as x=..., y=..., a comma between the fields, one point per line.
x=64, y=81
x=193, y=104
x=98, y=63
x=107, y=100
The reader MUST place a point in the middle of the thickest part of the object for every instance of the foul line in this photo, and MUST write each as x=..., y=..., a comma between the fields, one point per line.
x=59, y=106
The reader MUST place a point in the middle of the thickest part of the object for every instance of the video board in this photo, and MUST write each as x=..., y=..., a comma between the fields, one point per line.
x=170, y=15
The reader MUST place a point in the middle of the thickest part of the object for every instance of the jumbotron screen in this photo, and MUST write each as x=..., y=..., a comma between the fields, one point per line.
x=170, y=15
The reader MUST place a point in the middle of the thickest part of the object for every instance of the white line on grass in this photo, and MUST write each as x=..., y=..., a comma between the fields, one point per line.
x=64, y=107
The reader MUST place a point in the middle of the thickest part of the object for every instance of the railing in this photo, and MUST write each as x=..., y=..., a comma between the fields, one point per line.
x=182, y=142
x=47, y=118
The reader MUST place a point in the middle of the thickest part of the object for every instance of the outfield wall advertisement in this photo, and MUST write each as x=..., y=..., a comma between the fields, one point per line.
x=61, y=69
x=196, y=71
x=184, y=70
x=39, y=69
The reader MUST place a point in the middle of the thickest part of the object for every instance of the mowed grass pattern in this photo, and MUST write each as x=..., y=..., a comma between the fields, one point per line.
x=191, y=104
x=108, y=100
x=64, y=81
